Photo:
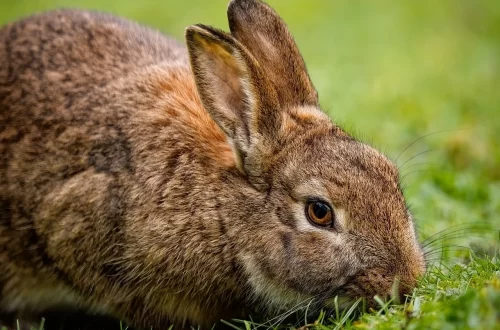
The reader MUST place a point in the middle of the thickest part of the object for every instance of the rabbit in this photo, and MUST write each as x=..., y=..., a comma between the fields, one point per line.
x=170, y=184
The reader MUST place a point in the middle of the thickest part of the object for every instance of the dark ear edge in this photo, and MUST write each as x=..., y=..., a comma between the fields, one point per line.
x=264, y=33
x=236, y=94
x=209, y=49
x=260, y=93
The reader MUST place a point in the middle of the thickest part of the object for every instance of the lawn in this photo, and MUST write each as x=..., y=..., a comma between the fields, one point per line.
x=419, y=80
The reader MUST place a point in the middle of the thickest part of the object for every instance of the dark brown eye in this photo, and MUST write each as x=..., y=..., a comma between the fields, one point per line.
x=320, y=213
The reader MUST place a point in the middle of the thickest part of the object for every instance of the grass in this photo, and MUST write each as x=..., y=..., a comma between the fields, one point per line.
x=463, y=296
x=398, y=72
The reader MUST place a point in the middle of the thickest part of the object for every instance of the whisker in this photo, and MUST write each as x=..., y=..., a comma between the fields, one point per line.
x=441, y=260
x=285, y=314
x=426, y=135
x=412, y=165
x=416, y=171
x=420, y=153
x=454, y=234
x=459, y=227
x=446, y=249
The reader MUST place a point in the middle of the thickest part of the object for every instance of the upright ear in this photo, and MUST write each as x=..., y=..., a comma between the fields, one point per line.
x=262, y=31
x=236, y=94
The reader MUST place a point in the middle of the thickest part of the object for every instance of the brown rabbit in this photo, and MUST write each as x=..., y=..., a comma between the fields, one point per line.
x=164, y=185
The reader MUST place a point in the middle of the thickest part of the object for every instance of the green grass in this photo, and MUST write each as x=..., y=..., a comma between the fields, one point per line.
x=391, y=72
x=463, y=296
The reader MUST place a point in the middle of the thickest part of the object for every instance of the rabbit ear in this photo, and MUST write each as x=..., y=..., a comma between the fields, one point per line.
x=235, y=92
x=262, y=31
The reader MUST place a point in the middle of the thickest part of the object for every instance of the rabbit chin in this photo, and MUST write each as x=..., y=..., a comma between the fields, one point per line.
x=271, y=296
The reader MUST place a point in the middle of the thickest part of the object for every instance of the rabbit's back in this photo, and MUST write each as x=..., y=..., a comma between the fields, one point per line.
x=96, y=114
x=88, y=47
x=62, y=72
x=165, y=191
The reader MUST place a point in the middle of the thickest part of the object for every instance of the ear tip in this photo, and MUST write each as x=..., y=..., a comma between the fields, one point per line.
x=231, y=8
x=188, y=31
x=198, y=29
x=191, y=31
x=247, y=12
x=195, y=28
x=234, y=5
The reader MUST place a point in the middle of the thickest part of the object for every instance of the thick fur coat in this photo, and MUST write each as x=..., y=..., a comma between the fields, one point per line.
x=162, y=184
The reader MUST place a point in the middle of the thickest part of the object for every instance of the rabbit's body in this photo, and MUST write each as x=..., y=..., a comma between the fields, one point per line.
x=80, y=154
x=128, y=188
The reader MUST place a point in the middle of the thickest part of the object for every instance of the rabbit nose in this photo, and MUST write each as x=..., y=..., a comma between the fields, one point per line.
x=395, y=286
x=402, y=287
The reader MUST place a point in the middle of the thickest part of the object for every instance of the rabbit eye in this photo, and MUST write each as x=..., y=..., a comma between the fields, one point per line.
x=320, y=213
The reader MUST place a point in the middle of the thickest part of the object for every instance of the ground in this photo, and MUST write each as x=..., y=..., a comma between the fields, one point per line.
x=420, y=80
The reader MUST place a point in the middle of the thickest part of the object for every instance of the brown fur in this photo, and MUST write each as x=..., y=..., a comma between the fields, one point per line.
x=260, y=29
x=160, y=185
x=178, y=91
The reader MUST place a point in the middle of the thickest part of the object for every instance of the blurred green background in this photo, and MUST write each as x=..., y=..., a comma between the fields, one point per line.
x=389, y=71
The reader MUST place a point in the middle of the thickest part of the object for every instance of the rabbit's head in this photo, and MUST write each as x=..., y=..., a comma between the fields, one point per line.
x=334, y=219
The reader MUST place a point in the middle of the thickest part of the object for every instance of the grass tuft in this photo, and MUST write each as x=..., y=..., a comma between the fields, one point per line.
x=420, y=80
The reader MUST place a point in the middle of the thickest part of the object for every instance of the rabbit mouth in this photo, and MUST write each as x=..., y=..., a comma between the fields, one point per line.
x=329, y=302
x=273, y=298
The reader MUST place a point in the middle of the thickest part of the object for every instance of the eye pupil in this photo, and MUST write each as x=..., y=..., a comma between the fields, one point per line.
x=320, y=213
x=320, y=210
